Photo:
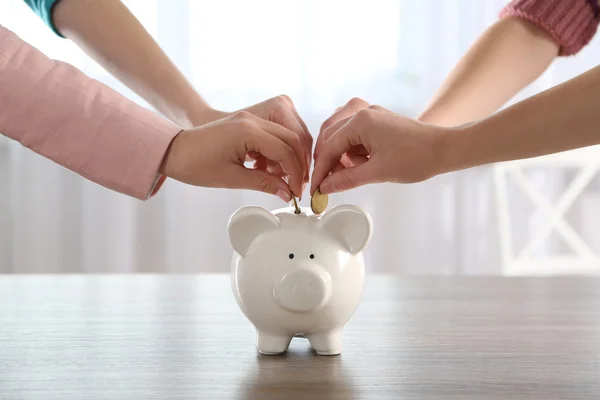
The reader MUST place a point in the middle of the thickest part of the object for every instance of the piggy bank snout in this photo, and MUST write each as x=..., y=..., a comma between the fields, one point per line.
x=303, y=289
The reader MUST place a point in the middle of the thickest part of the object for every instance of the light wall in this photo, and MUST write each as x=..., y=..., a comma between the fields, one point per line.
x=321, y=53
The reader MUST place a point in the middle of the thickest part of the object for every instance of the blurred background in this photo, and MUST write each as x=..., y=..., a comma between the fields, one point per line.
x=321, y=53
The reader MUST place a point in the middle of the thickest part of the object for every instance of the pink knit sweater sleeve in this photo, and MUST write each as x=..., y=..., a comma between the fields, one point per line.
x=572, y=23
x=81, y=124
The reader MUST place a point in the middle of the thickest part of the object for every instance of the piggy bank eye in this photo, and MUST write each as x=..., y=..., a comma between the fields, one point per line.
x=312, y=256
x=291, y=256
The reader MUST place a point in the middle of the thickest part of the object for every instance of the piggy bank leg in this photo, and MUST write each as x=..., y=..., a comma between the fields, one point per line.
x=326, y=343
x=270, y=344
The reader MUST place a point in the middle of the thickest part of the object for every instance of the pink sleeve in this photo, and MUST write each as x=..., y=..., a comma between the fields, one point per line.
x=58, y=112
x=572, y=23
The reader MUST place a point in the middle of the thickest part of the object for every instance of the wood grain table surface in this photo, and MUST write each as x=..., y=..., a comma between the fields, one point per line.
x=183, y=337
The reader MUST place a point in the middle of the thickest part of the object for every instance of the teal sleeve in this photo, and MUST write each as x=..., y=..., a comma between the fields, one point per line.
x=43, y=8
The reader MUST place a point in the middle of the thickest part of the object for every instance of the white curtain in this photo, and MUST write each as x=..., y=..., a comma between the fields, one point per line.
x=237, y=53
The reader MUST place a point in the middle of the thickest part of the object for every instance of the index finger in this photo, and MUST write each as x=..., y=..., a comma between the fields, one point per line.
x=291, y=122
x=332, y=150
x=277, y=150
x=288, y=136
x=293, y=107
x=342, y=113
x=308, y=136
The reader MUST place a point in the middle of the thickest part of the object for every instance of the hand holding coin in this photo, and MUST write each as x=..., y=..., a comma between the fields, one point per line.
x=318, y=203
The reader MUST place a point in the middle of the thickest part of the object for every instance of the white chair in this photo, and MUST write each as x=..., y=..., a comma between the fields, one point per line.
x=583, y=259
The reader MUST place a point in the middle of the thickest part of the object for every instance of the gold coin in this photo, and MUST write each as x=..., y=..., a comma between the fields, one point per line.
x=296, y=207
x=318, y=202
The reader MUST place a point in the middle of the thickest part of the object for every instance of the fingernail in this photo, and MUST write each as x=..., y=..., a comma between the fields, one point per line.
x=283, y=195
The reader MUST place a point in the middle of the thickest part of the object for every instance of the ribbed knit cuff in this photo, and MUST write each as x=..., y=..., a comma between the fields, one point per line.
x=572, y=23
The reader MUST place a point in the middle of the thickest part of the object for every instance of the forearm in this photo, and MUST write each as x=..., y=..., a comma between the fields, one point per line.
x=56, y=111
x=559, y=119
x=506, y=58
x=112, y=36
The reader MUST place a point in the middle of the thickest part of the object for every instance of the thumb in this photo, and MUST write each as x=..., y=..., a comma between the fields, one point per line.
x=348, y=178
x=261, y=181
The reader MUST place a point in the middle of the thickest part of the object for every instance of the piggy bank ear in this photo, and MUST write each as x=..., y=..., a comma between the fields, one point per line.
x=349, y=225
x=246, y=224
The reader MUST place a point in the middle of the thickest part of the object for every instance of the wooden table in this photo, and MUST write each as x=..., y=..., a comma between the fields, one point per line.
x=183, y=337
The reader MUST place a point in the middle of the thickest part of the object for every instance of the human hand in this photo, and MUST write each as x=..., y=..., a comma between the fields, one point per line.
x=213, y=155
x=357, y=153
x=280, y=110
x=379, y=146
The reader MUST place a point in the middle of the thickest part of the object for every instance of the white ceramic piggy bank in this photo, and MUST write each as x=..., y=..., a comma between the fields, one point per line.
x=299, y=274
